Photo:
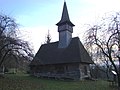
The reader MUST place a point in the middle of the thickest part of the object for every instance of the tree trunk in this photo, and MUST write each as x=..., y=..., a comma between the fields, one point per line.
x=107, y=74
x=3, y=69
x=118, y=77
x=3, y=58
x=119, y=74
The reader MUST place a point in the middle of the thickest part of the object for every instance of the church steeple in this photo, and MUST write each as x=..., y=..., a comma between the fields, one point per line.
x=65, y=28
x=65, y=17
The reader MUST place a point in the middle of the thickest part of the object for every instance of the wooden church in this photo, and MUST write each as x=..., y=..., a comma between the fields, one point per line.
x=66, y=58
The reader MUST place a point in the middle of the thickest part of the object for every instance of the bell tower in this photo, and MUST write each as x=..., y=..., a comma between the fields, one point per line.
x=65, y=28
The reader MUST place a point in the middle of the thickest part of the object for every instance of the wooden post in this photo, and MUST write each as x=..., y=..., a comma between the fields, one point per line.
x=3, y=69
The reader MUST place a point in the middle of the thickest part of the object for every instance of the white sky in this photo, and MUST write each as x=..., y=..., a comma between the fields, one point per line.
x=36, y=17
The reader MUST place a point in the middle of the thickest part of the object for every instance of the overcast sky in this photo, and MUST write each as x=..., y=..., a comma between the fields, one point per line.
x=36, y=17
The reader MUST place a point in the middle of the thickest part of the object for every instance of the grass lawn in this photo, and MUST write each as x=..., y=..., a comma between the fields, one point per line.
x=25, y=82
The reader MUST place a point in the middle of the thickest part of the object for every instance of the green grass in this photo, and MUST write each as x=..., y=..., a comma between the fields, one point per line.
x=25, y=82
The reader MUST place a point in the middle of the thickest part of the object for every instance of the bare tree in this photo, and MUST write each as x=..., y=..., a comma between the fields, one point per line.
x=106, y=37
x=48, y=38
x=10, y=44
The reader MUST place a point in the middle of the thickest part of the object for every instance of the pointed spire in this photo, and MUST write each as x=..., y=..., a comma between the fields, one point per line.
x=65, y=16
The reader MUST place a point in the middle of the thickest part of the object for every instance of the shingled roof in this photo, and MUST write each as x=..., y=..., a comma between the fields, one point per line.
x=51, y=54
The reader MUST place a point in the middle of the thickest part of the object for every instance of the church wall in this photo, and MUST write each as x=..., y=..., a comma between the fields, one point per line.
x=66, y=71
x=74, y=71
x=85, y=70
